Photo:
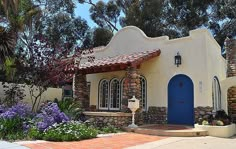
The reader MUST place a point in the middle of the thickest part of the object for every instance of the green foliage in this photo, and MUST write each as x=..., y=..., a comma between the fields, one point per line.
x=9, y=68
x=34, y=133
x=7, y=44
x=11, y=129
x=105, y=14
x=173, y=18
x=70, y=107
x=101, y=37
x=71, y=131
x=62, y=30
x=108, y=129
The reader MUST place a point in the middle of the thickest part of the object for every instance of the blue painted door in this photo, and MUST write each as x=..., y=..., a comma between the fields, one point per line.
x=180, y=101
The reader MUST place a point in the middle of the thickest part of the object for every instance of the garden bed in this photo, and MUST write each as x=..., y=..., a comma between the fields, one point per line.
x=218, y=131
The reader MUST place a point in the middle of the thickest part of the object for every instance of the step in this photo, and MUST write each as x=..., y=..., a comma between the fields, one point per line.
x=173, y=133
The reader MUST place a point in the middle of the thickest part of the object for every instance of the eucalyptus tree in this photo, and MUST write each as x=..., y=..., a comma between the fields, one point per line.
x=174, y=18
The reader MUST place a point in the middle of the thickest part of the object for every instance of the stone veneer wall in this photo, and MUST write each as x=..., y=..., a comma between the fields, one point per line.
x=116, y=119
x=155, y=115
x=202, y=112
x=158, y=115
x=230, y=47
x=232, y=102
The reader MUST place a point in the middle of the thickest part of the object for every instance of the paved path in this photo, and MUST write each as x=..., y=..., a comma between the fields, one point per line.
x=190, y=143
x=8, y=145
x=106, y=142
x=137, y=141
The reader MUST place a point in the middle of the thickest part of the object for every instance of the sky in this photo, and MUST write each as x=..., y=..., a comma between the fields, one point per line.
x=82, y=10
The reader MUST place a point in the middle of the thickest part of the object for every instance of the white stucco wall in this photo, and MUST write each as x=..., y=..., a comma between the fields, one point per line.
x=199, y=61
x=49, y=94
x=216, y=67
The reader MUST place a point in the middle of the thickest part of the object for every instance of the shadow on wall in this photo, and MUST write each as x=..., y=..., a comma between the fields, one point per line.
x=49, y=94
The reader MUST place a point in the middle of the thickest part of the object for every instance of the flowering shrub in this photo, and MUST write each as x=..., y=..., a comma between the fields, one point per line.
x=13, y=121
x=69, y=131
x=2, y=109
x=21, y=110
x=50, y=114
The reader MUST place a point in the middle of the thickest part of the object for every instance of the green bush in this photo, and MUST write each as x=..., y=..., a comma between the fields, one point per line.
x=70, y=131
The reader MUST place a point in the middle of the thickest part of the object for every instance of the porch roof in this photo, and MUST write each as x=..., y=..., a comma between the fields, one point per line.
x=119, y=62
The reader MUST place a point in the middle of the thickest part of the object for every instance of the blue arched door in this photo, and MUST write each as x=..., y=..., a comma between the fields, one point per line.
x=180, y=100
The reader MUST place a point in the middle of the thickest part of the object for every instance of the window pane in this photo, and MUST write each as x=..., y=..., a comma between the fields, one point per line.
x=143, y=85
x=115, y=94
x=103, y=98
x=216, y=94
x=68, y=93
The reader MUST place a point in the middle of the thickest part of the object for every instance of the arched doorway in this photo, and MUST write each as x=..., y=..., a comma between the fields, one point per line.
x=180, y=100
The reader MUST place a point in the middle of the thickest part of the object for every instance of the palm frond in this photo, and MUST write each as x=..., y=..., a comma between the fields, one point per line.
x=7, y=43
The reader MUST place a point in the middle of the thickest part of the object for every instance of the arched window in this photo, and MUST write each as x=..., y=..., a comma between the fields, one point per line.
x=216, y=94
x=121, y=91
x=143, y=84
x=103, y=94
x=114, y=94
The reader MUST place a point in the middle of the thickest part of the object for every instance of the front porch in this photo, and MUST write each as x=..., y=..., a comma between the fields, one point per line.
x=113, y=94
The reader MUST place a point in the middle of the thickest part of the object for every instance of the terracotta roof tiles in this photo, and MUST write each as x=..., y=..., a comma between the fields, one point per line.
x=121, y=60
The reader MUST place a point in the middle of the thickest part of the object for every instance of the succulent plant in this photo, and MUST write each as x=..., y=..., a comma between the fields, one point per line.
x=219, y=123
x=204, y=122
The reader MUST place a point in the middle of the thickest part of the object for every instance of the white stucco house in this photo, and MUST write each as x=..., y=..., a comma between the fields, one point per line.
x=178, y=80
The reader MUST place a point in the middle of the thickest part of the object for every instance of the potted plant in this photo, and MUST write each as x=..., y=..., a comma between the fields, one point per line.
x=219, y=125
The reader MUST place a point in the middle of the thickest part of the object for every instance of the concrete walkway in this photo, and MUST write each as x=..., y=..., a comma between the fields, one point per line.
x=8, y=145
x=190, y=143
x=133, y=141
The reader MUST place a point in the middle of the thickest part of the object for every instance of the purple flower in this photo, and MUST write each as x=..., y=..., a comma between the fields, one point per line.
x=42, y=126
x=2, y=109
x=23, y=110
x=50, y=114
x=8, y=115
x=20, y=109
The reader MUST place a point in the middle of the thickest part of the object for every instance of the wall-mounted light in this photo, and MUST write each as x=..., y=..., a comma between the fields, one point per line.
x=178, y=59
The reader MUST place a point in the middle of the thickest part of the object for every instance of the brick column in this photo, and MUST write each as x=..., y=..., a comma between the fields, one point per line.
x=230, y=47
x=131, y=86
x=81, y=91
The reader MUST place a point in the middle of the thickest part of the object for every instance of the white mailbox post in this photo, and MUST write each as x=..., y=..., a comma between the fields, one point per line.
x=133, y=105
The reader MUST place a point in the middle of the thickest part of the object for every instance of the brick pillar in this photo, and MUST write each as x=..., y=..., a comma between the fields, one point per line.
x=131, y=86
x=81, y=91
x=230, y=47
x=232, y=103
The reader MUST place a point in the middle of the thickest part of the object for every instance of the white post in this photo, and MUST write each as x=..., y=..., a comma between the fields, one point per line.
x=133, y=104
x=133, y=120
